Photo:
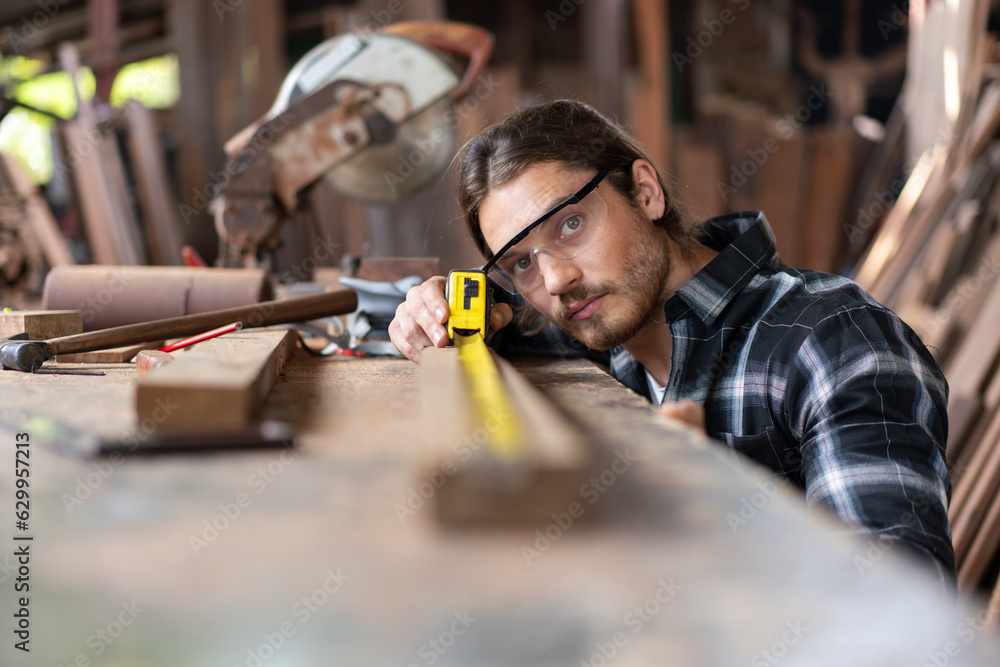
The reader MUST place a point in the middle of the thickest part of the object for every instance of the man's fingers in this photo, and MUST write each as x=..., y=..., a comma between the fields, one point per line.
x=419, y=320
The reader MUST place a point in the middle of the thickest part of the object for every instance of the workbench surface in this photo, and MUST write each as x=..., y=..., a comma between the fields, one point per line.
x=329, y=554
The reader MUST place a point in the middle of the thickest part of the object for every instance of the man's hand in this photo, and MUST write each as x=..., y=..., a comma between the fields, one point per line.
x=686, y=411
x=420, y=320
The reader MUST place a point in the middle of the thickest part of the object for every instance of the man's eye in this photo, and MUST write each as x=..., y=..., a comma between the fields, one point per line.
x=522, y=265
x=572, y=224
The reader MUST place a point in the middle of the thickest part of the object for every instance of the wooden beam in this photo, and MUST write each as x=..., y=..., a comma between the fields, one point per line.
x=159, y=209
x=42, y=222
x=221, y=383
x=475, y=487
x=41, y=324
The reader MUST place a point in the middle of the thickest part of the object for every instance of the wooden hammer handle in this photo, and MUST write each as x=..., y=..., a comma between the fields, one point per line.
x=266, y=313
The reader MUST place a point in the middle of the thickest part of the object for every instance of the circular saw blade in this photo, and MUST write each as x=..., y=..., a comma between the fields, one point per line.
x=417, y=156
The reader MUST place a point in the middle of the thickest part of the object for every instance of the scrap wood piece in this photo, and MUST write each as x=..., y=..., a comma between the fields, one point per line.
x=969, y=369
x=924, y=177
x=160, y=213
x=976, y=486
x=220, y=386
x=42, y=222
x=558, y=460
x=41, y=324
x=113, y=355
x=983, y=547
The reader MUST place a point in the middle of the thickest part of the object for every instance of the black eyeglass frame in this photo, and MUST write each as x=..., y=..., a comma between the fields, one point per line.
x=521, y=235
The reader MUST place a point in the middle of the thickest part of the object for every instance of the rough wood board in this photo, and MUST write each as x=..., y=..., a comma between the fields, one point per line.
x=159, y=210
x=41, y=324
x=333, y=505
x=558, y=454
x=114, y=355
x=224, y=392
x=829, y=189
x=43, y=223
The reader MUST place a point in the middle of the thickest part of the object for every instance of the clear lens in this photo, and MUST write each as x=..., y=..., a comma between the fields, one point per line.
x=562, y=236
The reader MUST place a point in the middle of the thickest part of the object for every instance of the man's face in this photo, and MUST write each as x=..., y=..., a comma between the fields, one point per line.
x=607, y=292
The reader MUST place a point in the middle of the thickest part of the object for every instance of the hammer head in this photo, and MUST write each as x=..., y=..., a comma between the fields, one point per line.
x=22, y=355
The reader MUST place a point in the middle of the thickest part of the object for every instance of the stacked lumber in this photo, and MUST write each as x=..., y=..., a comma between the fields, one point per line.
x=934, y=260
x=118, y=233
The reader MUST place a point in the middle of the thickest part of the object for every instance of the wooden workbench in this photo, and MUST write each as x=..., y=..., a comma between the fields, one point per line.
x=685, y=558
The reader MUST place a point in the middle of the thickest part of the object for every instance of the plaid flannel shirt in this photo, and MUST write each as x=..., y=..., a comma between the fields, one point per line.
x=807, y=374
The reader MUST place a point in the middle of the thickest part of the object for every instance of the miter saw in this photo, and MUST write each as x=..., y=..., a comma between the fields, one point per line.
x=369, y=113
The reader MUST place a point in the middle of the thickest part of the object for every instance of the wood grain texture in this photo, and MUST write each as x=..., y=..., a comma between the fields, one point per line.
x=220, y=384
x=557, y=458
x=41, y=324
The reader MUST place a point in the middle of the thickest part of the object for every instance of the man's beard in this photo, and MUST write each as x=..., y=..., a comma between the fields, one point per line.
x=649, y=257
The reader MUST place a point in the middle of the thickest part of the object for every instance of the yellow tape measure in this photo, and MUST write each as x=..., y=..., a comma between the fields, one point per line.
x=468, y=297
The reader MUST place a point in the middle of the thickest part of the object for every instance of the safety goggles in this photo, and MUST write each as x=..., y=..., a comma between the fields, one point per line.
x=562, y=233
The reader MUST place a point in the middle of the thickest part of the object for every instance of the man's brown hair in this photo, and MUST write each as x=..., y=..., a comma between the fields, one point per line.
x=564, y=131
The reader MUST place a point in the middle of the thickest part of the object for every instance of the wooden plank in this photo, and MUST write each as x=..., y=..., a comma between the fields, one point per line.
x=113, y=355
x=652, y=99
x=44, y=225
x=830, y=183
x=476, y=488
x=222, y=384
x=41, y=324
x=92, y=195
x=699, y=171
x=159, y=210
x=976, y=488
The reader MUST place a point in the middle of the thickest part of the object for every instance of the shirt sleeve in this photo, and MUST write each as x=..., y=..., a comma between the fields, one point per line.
x=870, y=410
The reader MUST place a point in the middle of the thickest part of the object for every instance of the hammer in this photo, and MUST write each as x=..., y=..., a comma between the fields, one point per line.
x=18, y=353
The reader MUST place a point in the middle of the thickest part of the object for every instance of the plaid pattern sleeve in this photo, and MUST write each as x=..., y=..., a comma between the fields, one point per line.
x=805, y=373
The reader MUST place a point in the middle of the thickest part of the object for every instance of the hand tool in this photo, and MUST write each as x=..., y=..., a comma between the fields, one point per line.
x=468, y=297
x=17, y=353
x=187, y=342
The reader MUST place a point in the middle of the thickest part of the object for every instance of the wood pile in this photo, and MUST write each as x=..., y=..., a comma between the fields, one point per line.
x=935, y=260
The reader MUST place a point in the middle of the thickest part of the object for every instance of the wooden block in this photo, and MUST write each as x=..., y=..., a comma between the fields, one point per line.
x=41, y=324
x=558, y=459
x=829, y=191
x=114, y=355
x=220, y=385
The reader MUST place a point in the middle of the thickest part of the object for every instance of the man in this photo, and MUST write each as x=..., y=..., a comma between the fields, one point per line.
x=801, y=371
